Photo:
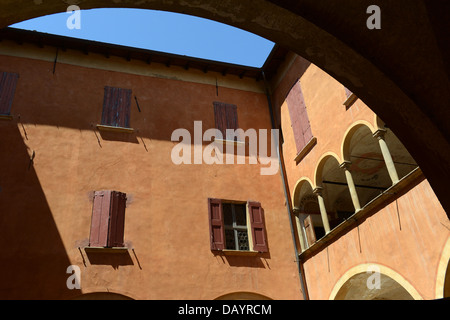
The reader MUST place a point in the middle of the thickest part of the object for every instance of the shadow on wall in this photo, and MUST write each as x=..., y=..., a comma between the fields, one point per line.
x=34, y=261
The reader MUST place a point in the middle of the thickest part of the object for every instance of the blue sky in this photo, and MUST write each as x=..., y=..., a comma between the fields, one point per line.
x=160, y=31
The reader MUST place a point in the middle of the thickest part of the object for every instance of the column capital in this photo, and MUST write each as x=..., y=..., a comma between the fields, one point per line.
x=345, y=165
x=318, y=191
x=379, y=134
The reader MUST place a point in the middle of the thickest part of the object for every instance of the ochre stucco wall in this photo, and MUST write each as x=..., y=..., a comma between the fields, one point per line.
x=46, y=205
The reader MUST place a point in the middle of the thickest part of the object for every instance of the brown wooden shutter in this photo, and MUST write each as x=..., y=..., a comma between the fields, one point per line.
x=100, y=219
x=116, y=107
x=225, y=115
x=216, y=225
x=117, y=219
x=257, y=222
x=299, y=117
x=309, y=230
x=231, y=111
x=8, y=83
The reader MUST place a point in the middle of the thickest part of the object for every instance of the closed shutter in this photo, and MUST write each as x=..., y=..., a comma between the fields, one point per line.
x=116, y=107
x=8, y=83
x=225, y=116
x=257, y=222
x=117, y=219
x=309, y=230
x=299, y=117
x=100, y=219
x=216, y=225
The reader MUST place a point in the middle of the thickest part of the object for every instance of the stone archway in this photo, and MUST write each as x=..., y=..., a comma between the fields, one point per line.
x=373, y=282
x=403, y=78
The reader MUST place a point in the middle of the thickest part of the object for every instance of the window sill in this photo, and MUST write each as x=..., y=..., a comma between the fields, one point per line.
x=299, y=157
x=231, y=142
x=350, y=100
x=106, y=249
x=114, y=129
x=6, y=117
x=239, y=253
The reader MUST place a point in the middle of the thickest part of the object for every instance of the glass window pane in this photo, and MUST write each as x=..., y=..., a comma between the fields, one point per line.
x=227, y=214
x=229, y=239
x=241, y=215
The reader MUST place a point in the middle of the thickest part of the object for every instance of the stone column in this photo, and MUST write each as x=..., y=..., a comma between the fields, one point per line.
x=323, y=211
x=351, y=185
x=296, y=211
x=379, y=134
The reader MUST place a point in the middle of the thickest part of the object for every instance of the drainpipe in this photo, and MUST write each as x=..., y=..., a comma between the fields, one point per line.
x=286, y=192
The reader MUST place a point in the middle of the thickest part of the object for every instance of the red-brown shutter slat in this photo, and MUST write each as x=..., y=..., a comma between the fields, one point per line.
x=220, y=117
x=125, y=108
x=8, y=83
x=107, y=99
x=232, y=121
x=116, y=107
x=117, y=219
x=299, y=117
x=100, y=219
x=216, y=225
x=258, y=228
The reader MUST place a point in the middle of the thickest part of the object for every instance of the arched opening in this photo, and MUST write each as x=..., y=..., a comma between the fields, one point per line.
x=372, y=286
x=404, y=162
x=309, y=223
x=102, y=296
x=447, y=283
x=243, y=296
x=335, y=191
x=377, y=159
x=367, y=165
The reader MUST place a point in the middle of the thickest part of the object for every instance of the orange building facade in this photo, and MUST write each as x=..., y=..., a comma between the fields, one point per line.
x=85, y=123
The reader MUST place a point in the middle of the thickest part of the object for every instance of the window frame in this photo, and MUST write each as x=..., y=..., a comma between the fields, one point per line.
x=235, y=227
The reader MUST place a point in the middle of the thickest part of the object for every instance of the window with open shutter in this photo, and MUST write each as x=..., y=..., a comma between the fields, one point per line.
x=108, y=219
x=8, y=83
x=116, y=107
x=304, y=139
x=233, y=230
x=225, y=116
